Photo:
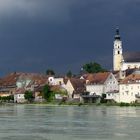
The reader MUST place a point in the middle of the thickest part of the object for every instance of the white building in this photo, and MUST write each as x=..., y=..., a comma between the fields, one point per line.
x=113, y=96
x=55, y=81
x=130, y=88
x=19, y=96
x=101, y=83
x=75, y=87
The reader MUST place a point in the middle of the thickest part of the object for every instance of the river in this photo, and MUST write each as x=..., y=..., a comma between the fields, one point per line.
x=40, y=122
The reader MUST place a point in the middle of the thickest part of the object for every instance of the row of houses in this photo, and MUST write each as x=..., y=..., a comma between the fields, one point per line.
x=125, y=90
x=87, y=87
x=17, y=83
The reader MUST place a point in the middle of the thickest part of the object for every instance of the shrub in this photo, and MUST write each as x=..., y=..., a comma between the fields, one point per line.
x=124, y=104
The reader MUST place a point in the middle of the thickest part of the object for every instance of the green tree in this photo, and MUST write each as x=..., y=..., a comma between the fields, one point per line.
x=103, y=98
x=47, y=93
x=69, y=74
x=50, y=72
x=29, y=96
x=93, y=67
x=7, y=98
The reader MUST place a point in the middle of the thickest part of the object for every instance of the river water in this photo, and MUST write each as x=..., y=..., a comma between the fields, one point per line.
x=40, y=122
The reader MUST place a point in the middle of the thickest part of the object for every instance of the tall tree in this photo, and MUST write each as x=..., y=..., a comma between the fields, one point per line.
x=50, y=72
x=93, y=67
x=47, y=94
x=69, y=74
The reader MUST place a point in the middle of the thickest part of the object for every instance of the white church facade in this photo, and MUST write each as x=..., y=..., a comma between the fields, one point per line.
x=123, y=61
x=129, y=85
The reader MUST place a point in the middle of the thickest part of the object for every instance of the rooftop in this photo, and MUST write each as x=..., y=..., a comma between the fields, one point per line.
x=131, y=57
x=97, y=78
x=131, y=79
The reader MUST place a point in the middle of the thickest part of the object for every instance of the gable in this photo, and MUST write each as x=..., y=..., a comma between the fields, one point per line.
x=69, y=85
x=111, y=79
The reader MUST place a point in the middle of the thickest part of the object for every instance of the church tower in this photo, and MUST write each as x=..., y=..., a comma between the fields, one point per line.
x=117, y=52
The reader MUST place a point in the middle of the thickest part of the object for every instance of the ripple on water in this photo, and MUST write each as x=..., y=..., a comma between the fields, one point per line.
x=25, y=122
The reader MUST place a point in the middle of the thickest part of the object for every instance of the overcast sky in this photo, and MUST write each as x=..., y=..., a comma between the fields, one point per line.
x=36, y=35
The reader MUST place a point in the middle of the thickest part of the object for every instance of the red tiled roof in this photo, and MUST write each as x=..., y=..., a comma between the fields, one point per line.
x=131, y=79
x=9, y=79
x=97, y=78
x=12, y=78
x=20, y=91
x=78, y=84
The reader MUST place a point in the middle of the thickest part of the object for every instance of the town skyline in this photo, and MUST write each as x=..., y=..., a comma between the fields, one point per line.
x=39, y=35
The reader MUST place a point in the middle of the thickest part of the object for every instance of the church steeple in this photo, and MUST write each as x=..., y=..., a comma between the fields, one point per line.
x=117, y=52
x=117, y=36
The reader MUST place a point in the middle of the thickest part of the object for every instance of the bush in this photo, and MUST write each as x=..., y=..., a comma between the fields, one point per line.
x=47, y=93
x=7, y=98
x=29, y=96
x=80, y=104
x=124, y=104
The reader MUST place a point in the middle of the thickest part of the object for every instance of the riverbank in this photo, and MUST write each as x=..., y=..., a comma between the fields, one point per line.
x=87, y=104
x=74, y=104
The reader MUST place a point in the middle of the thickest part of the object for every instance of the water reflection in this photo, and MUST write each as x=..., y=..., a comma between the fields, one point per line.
x=69, y=123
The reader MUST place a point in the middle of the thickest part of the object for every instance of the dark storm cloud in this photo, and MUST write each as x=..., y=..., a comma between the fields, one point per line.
x=64, y=34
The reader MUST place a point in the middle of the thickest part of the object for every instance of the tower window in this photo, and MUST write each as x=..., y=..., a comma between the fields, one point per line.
x=118, y=47
x=118, y=52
